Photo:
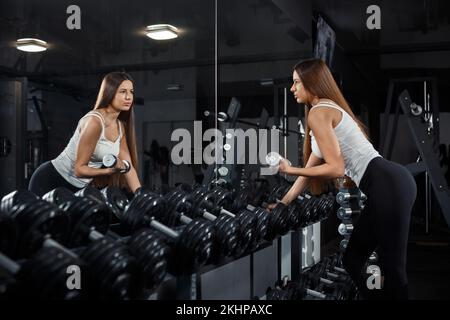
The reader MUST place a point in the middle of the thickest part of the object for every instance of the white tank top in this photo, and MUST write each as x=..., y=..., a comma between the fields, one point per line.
x=65, y=162
x=356, y=150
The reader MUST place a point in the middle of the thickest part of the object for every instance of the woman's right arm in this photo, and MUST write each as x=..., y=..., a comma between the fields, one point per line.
x=302, y=182
x=90, y=129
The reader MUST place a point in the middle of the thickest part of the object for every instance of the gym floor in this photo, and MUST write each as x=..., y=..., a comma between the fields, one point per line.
x=428, y=264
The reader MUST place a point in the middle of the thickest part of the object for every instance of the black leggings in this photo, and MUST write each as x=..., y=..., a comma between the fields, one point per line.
x=46, y=178
x=384, y=226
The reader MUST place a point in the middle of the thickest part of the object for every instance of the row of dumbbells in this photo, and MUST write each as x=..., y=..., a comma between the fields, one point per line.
x=67, y=221
x=42, y=240
x=304, y=210
x=352, y=202
x=239, y=224
x=327, y=280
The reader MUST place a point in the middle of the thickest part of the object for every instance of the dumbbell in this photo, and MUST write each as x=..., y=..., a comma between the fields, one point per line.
x=338, y=288
x=343, y=196
x=304, y=290
x=110, y=161
x=299, y=212
x=58, y=195
x=278, y=293
x=343, y=244
x=15, y=197
x=331, y=275
x=262, y=224
x=314, y=208
x=43, y=276
x=277, y=219
x=179, y=203
x=227, y=229
x=321, y=274
x=326, y=204
x=277, y=192
x=116, y=201
x=90, y=221
x=112, y=196
x=338, y=292
x=345, y=229
x=42, y=224
x=327, y=269
x=241, y=197
x=283, y=290
x=335, y=290
x=39, y=223
x=181, y=207
x=281, y=221
x=273, y=159
x=193, y=246
x=334, y=263
x=373, y=258
x=305, y=209
x=347, y=213
x=90, y=191
x=247, y=221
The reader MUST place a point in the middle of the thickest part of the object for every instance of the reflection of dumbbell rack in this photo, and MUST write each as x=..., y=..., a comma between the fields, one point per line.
x=351, y=203
x=223, y=171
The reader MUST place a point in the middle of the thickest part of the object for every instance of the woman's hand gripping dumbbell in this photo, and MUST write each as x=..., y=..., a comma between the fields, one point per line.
x=118, y=165
x=277, y=162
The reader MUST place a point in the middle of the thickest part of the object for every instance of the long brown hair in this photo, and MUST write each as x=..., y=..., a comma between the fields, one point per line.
x=106, y=94
x=318, y=81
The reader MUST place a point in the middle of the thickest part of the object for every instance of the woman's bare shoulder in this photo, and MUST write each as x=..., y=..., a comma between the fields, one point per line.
x=91, y=122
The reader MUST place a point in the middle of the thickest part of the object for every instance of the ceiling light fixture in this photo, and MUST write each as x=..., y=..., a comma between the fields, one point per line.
x=162, y=32
x=266, y=82
x=31, y=45
x=174, y=87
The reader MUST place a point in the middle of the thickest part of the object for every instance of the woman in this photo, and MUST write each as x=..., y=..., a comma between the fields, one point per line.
x=336, y=145
x=107, y=129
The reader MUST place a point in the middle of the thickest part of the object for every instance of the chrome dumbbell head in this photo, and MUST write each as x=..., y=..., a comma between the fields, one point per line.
x=345, y=229
x=274, y=158
x=223, y=171
x=343, y=244
x=347, y=213
x=109, y=161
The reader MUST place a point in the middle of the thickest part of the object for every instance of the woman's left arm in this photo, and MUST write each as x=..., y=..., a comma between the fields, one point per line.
x=321, y=124
x=124, y=154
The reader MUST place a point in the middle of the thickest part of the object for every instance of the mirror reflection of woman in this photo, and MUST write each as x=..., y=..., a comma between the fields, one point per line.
x=107, y=129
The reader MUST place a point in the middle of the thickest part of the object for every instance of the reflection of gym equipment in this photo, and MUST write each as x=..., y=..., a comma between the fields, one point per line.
x=424, y=127
x=36, y=140
x=13, y=126
x=262, y=123
x=228, y=173
x=5, y=146
x=158, y=163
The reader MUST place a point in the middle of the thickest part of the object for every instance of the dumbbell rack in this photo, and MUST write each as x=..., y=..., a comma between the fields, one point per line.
x=354, y=204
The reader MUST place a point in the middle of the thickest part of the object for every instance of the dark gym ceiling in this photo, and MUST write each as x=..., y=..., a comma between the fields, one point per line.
x=112, y=33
